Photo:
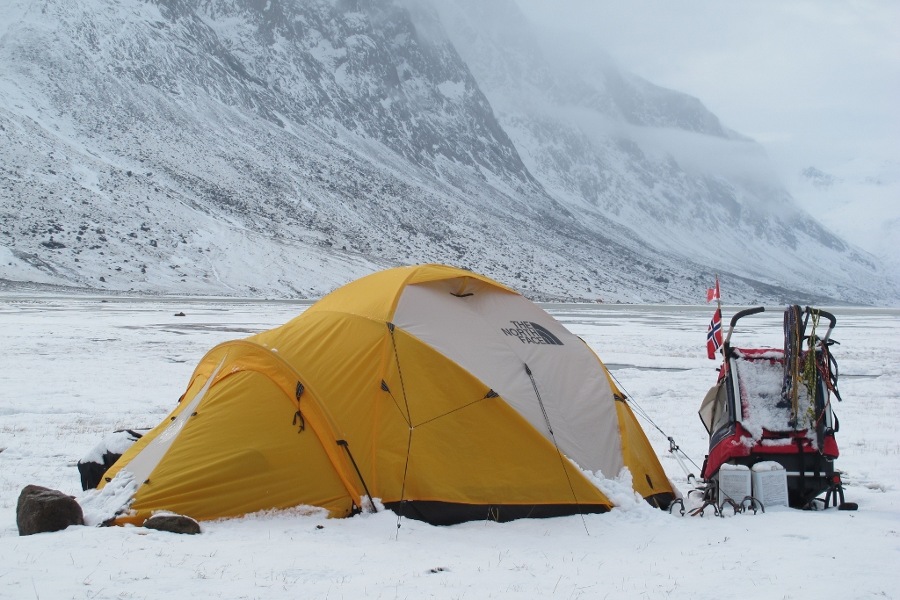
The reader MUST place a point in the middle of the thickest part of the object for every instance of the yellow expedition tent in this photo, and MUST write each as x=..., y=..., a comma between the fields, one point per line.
x=446, y=395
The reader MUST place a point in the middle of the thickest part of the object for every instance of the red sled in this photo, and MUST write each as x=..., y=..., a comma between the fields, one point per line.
x=775, y=404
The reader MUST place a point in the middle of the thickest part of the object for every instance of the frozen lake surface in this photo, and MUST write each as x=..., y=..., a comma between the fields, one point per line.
x=76, y=368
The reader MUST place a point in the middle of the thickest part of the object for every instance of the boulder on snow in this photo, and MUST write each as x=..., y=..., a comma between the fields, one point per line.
x=173, y=523
x=41, y=509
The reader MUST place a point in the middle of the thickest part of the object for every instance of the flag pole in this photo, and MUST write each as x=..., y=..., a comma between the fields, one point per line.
x=714, y=332
x=719, y=308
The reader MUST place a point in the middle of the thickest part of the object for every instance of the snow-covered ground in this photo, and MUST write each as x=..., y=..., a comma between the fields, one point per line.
x=74, y=369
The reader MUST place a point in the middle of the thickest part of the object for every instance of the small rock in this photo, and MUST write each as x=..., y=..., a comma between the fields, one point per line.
x=173, y=523
x=41, y=509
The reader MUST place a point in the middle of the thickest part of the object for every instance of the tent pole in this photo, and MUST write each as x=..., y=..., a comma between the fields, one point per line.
x=346, y=447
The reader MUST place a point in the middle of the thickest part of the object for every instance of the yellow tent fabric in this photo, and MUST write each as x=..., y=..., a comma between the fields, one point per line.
x=342, y=404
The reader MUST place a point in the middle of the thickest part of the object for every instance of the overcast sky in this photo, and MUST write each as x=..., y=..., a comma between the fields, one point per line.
x=816, y=82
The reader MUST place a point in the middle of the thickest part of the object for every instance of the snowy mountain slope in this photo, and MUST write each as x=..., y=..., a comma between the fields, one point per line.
x=282, y=148
x=846, y=196
x=656, y=161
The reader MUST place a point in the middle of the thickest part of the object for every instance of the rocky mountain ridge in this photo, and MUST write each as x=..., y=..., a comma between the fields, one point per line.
x=281, y=148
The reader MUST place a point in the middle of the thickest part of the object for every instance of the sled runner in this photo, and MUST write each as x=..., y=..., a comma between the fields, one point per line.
x=775, y=404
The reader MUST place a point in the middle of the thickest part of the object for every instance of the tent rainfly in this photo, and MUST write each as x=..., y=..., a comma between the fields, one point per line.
x=446, y=395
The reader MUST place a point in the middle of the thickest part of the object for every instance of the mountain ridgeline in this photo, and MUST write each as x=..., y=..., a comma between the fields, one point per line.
x=281, y=148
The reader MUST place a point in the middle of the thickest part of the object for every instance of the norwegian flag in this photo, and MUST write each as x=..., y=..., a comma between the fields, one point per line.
x=714, y=334
x=713, y=293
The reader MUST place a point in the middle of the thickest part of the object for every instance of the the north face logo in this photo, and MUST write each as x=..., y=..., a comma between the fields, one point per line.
x=531, y=333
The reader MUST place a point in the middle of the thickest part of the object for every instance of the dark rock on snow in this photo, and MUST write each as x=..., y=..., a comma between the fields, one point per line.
x=173, y=523
x=95, y=463
x=41, y=509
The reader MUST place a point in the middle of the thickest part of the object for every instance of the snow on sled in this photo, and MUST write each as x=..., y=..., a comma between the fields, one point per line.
x=775, y=405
